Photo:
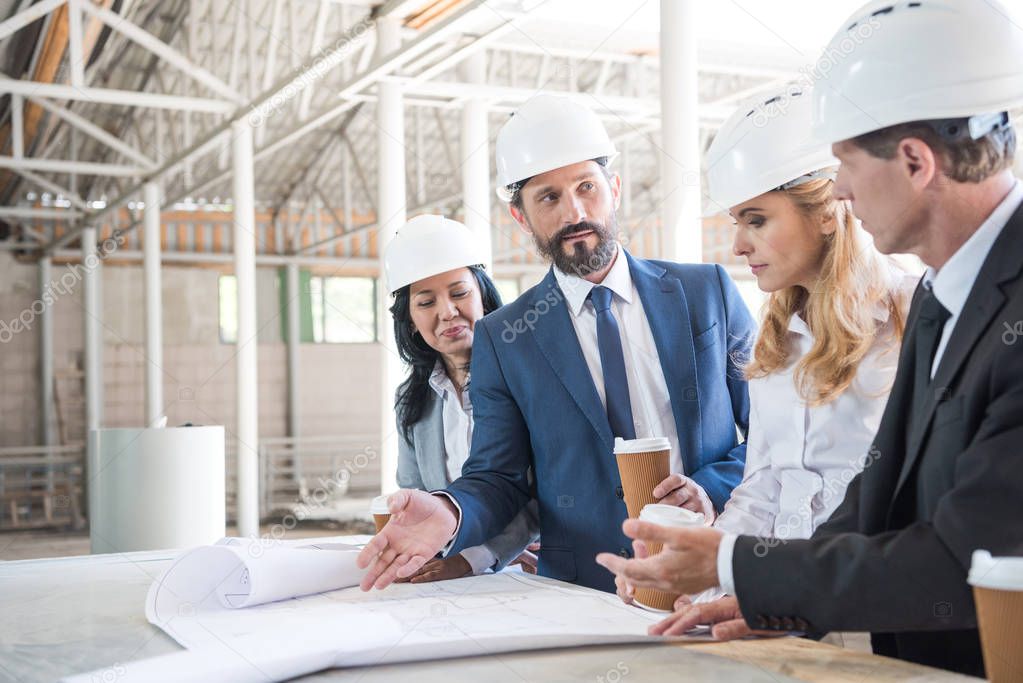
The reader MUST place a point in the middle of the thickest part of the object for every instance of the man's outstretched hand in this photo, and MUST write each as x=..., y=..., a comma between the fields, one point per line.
x=687, y=562
x=420, y=525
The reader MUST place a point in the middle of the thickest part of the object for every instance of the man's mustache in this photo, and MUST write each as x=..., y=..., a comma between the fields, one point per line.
x=579, y=227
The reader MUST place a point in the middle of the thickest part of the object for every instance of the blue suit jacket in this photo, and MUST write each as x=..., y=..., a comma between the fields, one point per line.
x=534, y=403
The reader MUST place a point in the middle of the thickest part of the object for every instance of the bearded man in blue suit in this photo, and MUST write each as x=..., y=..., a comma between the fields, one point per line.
x=607, y=345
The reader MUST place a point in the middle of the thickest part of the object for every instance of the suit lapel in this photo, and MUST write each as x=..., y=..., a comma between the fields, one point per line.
x=556, y=337
x=986, y=298
x=889, y=454
x=667, y=312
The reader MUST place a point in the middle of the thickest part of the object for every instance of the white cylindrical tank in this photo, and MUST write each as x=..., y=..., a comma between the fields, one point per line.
x=151, y=489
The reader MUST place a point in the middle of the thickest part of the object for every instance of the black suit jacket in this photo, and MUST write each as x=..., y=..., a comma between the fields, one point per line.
x=894, y=556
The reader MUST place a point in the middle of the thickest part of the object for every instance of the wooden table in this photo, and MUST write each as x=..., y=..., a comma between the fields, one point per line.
x=71, y=615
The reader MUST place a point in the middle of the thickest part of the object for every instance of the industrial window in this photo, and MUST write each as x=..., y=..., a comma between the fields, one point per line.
x=343, y=309
x=332, y=310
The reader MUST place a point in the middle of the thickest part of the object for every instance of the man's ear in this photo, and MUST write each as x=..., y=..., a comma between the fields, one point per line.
x=520, y=217
x=917, y=161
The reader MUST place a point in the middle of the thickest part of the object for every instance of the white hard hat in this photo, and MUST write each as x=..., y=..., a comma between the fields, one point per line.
x=547, y=132
x=429, y=245
x=896, y=62
x=765, y=145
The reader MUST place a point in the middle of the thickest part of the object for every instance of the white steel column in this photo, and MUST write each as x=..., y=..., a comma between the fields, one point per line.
x=246, y=357
x=390, y=216
x=294, y=298
x=91, y=335
x=154, y=305
x=46, y=352
x=680, y=132
x=476, y=155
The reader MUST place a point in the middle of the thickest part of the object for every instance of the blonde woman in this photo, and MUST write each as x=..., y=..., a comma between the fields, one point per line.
x=828, y=345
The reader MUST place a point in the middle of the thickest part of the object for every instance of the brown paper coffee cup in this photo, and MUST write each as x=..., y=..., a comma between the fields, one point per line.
x=380, y=521
x=669, y=516
x=642, y=465
x=1000, y=616
x=381, y=513
x=998, y=593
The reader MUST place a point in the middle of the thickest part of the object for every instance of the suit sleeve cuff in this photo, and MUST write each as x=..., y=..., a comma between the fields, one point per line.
x=725, y=577
x=480, y=558
x=458, y=526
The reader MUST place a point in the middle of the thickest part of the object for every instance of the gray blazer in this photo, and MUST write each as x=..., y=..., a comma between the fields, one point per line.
x=422, y=464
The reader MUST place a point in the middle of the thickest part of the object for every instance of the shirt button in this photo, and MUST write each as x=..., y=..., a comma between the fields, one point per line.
x=624, y=552
x=619, y=493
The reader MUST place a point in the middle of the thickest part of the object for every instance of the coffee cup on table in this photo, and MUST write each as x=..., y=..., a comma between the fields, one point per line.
x=998, y=593
x=381, y=513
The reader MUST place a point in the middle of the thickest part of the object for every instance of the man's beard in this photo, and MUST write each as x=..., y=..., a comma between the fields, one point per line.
x=582, y=261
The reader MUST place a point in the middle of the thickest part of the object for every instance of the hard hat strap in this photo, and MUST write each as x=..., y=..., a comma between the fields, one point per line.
x=982, y=124
x=973, y=127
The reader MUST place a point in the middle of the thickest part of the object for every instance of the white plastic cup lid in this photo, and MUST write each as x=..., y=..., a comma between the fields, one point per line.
x=650, y=444
x=379, y=506
x=998, y=573
x=670, y=515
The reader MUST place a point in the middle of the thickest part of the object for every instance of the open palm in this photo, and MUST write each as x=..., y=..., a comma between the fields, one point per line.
x=420, y=525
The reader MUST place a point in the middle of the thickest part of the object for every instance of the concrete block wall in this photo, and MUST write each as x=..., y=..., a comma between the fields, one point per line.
x=18, y=413
x=340, y=386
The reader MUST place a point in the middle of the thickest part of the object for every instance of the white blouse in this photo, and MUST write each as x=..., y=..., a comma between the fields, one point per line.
x=457, y=415
x=800, y=459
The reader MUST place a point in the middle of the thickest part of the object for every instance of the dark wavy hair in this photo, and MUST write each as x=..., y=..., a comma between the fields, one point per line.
x=414, y=392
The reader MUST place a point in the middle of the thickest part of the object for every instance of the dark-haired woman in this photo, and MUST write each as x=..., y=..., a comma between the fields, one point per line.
x=440, y=291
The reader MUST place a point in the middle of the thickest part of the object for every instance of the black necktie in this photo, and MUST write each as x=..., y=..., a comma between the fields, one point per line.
x=929, y=325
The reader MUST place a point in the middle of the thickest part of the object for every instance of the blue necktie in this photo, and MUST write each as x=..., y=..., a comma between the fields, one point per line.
x=612, y=362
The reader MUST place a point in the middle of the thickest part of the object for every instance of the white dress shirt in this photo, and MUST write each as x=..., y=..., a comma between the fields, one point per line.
x=952, y=285
x=456, y=413
x=801, y=458
x=648, y=390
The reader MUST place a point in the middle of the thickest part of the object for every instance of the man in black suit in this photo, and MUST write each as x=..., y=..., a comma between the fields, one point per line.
x=926, y=153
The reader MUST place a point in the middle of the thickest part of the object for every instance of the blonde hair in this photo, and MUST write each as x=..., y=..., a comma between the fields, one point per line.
x=839, y=311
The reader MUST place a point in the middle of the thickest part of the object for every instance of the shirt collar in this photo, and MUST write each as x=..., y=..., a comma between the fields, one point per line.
x=439, y=380
x=442, y=384
x=576, y=289
x=798, y=326
x=952, y=284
